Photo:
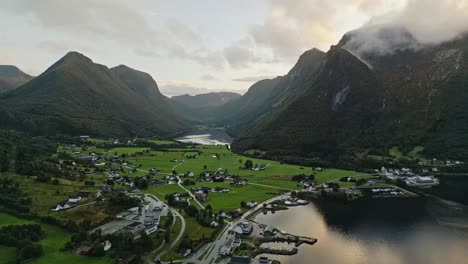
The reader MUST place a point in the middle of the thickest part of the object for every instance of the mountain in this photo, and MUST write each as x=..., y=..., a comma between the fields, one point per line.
x=206, y=100
x=77, y=96
x=267, y=98
x=365, y=99
x=11, y=77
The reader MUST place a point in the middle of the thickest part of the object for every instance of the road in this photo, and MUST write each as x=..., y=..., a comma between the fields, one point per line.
x=175, y=241
x=270, y=186
x=221, y=239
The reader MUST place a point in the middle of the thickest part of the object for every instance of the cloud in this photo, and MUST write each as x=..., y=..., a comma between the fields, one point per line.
x=183, y=32
x=239, y=56
x=119, y=22
x=416, y=24
x=290, y=29
x=251, y=79
x=430, y=21
x=207, y=77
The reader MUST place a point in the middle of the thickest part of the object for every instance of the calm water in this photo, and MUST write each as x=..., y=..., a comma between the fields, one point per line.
x=391, y=233
x=206, y=137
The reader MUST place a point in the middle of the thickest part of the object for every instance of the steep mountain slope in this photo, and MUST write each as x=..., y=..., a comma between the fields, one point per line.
x=206, y=100
x=267, y=97
x=405, y=95
x=11, y=77
x=77, y=96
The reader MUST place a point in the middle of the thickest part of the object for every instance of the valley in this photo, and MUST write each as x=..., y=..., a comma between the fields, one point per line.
x=203, y=190
x=234, y=132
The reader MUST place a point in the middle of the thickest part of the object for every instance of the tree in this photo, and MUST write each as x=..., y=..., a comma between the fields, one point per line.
x=248, y=164
x=4, y=161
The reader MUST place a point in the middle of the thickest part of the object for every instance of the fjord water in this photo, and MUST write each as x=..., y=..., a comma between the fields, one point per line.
x=206, y=137
x=395, y=232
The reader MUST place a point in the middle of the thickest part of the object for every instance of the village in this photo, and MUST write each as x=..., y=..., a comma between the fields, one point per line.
x=213, y=189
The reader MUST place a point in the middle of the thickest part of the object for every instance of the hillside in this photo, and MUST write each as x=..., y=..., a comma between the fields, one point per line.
x=77, y=96
x=11, y=77
x=367, y=101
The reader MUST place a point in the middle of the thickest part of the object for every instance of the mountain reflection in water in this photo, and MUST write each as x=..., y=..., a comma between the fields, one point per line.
x=392, y=232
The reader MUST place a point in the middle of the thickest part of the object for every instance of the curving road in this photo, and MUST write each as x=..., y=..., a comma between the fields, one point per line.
x=178, y=238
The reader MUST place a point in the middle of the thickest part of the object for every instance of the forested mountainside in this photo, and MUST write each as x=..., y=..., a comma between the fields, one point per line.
x=77, y=96
x=365, y=101
x=11, y=78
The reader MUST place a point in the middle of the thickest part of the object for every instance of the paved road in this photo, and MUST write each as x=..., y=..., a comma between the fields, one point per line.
x=270, y=186
x=179, y=182
x=221, y=239
x=178, y=238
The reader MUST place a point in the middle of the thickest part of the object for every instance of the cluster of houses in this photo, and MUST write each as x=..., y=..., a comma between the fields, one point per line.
x=67, y=204
x=410, y=178
x=385, y=192
x=233, y=240
x=229, y=215
x=259, y=168
x=219, y=176
x=292, y=201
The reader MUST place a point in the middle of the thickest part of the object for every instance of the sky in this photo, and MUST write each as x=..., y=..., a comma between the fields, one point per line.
x=205, y=45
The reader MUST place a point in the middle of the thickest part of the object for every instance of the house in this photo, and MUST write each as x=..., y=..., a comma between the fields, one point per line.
x=228, y=248
x=84, y=138
x=246, y=227
x=238, y=182
x=264, y=260
x=202, y=197
x=268, y=231
x=240, y=260
x=214, y=224
x=184, y=252
x=107, y=245
x=149, y=229
x=236, y=213
x=190, y=174
x=251, y=204
x=85, y=251
x=135, y=229
x=63, y=206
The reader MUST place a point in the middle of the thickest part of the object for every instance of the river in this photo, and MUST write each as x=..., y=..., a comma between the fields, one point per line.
x=388, y=232
x=206, y=137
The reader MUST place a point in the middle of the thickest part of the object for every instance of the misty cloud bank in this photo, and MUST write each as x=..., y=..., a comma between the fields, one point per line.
x=417, y=24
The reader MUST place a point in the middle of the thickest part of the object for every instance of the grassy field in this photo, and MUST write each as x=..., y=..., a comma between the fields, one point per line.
x=54, y=239
x=162, y=190
x=232, y=200
x=46, y=195
x=413, y=154
x=162, y=142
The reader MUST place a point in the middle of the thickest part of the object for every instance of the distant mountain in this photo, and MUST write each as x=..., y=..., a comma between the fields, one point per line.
x=11, y=77
x=206, y=100
x=363, y=99
x=77, y=96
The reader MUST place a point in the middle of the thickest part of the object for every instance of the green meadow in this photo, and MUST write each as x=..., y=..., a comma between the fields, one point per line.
x=53, y=241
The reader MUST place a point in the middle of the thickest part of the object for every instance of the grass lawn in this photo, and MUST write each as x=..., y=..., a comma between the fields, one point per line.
x=162, y=190
x=232, y=200
x=7, y=255
x=55, y=238
x=196, y=231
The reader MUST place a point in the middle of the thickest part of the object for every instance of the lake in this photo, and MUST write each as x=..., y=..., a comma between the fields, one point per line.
x=206, y=137
x=388, y=232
